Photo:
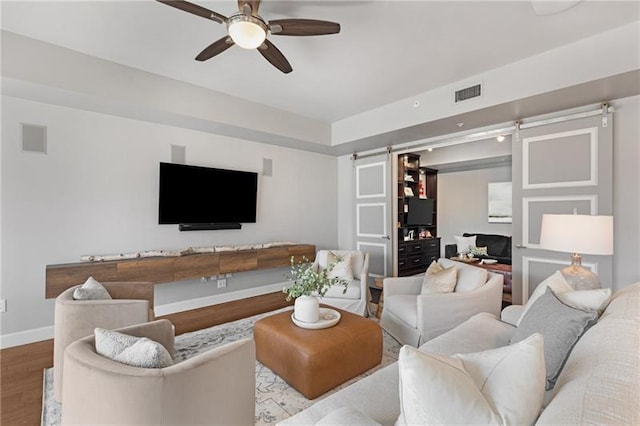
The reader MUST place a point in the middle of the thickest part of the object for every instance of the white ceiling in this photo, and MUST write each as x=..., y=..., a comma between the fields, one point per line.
x=386, y=51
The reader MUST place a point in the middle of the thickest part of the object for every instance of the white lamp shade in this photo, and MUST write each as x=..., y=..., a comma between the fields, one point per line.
x=574, y=233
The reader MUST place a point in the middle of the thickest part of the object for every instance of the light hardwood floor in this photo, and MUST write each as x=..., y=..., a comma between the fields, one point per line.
x=21, y=367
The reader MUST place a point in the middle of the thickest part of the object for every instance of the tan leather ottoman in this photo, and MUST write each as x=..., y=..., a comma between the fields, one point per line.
x=316, y=361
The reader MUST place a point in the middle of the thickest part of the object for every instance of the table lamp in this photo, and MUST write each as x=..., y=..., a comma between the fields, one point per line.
x=578, y=234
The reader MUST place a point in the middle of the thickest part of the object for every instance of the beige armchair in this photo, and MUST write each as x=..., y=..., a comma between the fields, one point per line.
x=414, y=318
x=131, y=303
x=357, y=297
x=216, y=387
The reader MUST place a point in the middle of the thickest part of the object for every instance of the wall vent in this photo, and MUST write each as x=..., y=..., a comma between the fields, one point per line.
x=34, y=138
x=468, y=93
x=267, y=167
x=178, y=154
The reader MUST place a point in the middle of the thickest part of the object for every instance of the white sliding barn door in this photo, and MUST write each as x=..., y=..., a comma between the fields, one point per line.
x=372, y=207
x=558, y=168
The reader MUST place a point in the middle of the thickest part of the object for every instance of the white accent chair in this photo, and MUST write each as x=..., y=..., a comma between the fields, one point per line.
x=414, y=318
x=216, y=387
x=131, y=303
x=357, y=297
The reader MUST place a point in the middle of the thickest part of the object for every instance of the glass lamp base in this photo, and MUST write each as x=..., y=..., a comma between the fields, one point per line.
x=579, y=277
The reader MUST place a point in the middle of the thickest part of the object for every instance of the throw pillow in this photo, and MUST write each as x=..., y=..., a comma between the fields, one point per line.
x=464, y=243
x=342, y=266
x=470, y=278
x=561, y=325
x=442, y=281
x=556, y=282
x=111, y=343
x=134, y=351
x=595, y=300
x=479, y=251
x=498, y=386
x=91, y=290
x=433, y=268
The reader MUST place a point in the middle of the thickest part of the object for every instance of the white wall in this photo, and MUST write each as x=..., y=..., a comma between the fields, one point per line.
x=462, y=203
x=95, y=192
x=626, y=191
x=346, y=215
x=81, y=81
x=617, y=51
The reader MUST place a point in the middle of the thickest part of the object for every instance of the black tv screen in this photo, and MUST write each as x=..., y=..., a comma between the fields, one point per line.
x=192, y=194
x=420, y=211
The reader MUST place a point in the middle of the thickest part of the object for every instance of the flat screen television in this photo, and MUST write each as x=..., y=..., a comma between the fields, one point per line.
x=420, y=211
x=199, y=195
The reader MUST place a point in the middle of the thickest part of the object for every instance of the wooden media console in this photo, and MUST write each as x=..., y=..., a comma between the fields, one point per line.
x=160, y=270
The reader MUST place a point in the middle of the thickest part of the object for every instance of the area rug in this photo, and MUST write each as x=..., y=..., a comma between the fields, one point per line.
x=275, y=399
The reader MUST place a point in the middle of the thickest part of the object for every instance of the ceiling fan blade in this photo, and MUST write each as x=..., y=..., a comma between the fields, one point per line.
x=275, y=57
x=215, y=48
x=303, y=27
x=195, y=9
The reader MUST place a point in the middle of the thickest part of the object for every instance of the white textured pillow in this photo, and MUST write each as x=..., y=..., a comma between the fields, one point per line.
x=556, y=282
x=595, y=300
x=465, y=243
x=91, y=290
x=111, y=343
x=342, y=268
x=135, y=351
x=498, y=386
x=470, y=278
x=440, y=281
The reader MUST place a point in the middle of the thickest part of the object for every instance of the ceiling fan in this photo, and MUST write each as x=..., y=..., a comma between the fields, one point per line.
x=248, y=30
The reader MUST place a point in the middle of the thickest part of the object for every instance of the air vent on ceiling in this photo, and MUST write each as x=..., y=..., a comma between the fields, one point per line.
x=468, y=93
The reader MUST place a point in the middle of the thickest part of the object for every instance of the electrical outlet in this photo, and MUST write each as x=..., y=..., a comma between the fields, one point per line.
x=228, y=275
x=3, y=305
x=222, y=283
x=203, y=279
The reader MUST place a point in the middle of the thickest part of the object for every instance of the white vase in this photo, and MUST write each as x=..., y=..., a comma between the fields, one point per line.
x=307, y=309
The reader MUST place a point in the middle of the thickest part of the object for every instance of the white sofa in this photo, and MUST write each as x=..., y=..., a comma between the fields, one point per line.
x=414, y=318
x=599, y=384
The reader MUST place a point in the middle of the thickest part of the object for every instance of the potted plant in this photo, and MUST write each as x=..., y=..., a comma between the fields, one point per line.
x=308, y=282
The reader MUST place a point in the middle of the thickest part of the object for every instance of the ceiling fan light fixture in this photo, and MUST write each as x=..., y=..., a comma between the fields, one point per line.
x=248, y=32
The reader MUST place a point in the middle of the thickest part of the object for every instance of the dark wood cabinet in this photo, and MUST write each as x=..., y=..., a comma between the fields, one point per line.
x=417, y=188
x=416, y=183
x=415, y=256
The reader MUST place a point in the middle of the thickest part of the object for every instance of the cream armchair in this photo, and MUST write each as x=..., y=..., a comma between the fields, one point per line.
x=357, y=297
x=216, y=387
x=132, y=303
x=414, y=318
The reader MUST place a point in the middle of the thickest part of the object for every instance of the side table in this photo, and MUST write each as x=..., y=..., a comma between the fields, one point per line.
x=379, y=283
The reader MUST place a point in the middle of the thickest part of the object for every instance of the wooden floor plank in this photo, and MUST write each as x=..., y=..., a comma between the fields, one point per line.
x=21, y=367
x=21, y=382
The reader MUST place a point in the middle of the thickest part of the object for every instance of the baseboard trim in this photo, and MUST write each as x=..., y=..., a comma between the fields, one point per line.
x=25, y=337
x=201, y=302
